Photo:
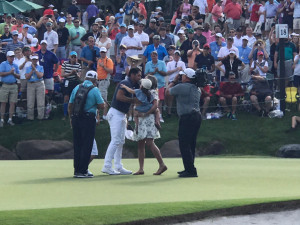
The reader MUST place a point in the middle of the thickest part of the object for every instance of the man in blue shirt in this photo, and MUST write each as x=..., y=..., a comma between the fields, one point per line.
x=88, y=56
x=9, y=90
x=244, y=52
x=161, y=51
x=127, y=8
x=158, y=68
x=119, y=16
x=215, y=47
x=84, y=125
x=119, y=37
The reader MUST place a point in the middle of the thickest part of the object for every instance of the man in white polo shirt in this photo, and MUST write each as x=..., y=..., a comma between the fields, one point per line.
x=144, y=38
x=132, y=43
x=224, y=51
x=51, y=37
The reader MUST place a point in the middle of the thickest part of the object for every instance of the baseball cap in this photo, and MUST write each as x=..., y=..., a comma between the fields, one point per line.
x=26, y=19
x=74, y=2
x=239, y=29
x=245, y=38
x=48, y=24
x=10, y=53
x=103, y=49
x=91, y=74
x=73, y=53
x=26, y=26
x=153, y=20
x=44, y=42
x=34, y=57
x=55, y=10
x=62, y=13
x=146, y=83
x=143, y=23
x=232, y=51
x=177, y=51
x=172, y=47
x=61, y=20
x=180, y=32
x=93, y=1
x=51, y=6
x=199, y=27
x=131, y=27
x=230, y=38
x=121, y=10
x=15, y=32
x=190, y=73
x=122, y=25
x=34, y=42
x=260, y=53
x=219, y=35
x=191, y=31
x=157, y=37
x=123, y=46
x=161, y=19
x=159, y=8
x=206, y=46
x=99, y=20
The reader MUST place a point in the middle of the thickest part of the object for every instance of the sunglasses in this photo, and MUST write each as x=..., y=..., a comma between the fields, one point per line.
x=73, y=56
x=102, y=52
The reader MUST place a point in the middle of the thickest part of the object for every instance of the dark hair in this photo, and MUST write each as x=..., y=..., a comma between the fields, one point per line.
x=153, y=80
x=133, y=71
x=147, y=93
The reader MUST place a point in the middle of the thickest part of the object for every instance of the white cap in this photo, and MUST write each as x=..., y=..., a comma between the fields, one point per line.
x=91, y=74
x=61, y=20
x=180, y=32
x=34, y=57
x=10, y=53
x=34, y=42
x=55, y=10
x=98, y=20
x=146, y=83
x=121, y=10
x=219, y=35
x=130, y=27
x=51, y=6
x=177, y=51
x=245, y=38
x=103, y=49
x=92, y=1
x=232, y=51
x=190, y=73
x=158, y=7
x=44, y=41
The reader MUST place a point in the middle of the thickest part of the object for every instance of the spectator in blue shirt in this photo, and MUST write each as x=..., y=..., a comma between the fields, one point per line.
x=119, y=16
x=161, y=51
x=215, y=46
x=119, y=37
x=244, y=52
x=9, y=90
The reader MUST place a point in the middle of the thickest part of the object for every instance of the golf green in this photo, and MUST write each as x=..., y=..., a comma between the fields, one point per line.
x=47, y=184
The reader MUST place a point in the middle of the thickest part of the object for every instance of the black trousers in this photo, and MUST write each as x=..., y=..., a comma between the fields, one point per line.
x=189, y=126
x=83, y=137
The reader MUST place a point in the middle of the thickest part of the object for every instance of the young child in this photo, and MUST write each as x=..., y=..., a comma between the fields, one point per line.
x=145, y=98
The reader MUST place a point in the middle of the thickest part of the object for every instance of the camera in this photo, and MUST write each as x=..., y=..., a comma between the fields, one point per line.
x=201, y=79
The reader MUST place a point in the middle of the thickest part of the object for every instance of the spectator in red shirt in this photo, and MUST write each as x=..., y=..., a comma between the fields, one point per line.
x=49, y=11
x=142, y=9
x=229, y=94
x=233, y=13
x=254, y=14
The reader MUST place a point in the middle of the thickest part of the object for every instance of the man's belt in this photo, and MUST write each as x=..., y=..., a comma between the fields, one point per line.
x=9, y=83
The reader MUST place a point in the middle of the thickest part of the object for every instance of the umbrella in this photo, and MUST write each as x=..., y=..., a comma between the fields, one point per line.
x=7, y=7
x=26, y=5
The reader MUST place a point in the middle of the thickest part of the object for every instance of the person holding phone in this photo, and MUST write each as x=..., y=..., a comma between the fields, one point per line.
x=76, y=33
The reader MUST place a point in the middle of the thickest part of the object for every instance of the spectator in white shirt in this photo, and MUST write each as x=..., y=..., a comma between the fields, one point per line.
x=51, y=37
x=237, y=40
x=144, y=38
x=132, y=43
x=224, y=51
x=25, y=37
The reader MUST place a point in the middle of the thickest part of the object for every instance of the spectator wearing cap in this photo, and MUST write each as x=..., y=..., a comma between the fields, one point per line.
x=170, y=56
x=104, y=41
x=34, y=46
x=231, y=62
x=35, y=88
x=49, y=11
x=165, y=40
x=161, y=50
x=151, y=30
x=71, y=72
x=22, y=60
x=199, y=36
x=233, y=12
x=182, y=38
x=76, y=33
x=9, y=73
x=121, y=64
x=15, y=42
x=48, y=60
x=120, y=16
x=24, y=36
x=105, y=68
x=192, y=53
x=84, y=125
x=143, y=37
x=237, y=39
x=92, y=12
x=128, y=9
x=89, y=56
x=215, y=46
x=157, y=68
x=244, y=52
x=132, y=43
x=224, y=51
x=173, y=68
x=205, y=60
x=74, y=10
x=41, y=27
x=63, y=40
x=217, y=12
x=250, y=36
x=5, y=39
x=7, y=22
x=19, y=26
x=230, y=92
x=31, y=29
x=187, y=45
x=119, y=37
x=61, y=16
x=69, y=24
x=94, y=33
x=51, y=37
x=259, y=45
x=140, y=19
x=197, y=17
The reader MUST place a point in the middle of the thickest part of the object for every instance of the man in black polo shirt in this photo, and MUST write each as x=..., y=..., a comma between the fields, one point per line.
x=199, y=36
x=74, y=10
x=151, y=30
x=63, y=36
x=187, y=45
x=116, y=117
x=94, y=33
x=205, y=59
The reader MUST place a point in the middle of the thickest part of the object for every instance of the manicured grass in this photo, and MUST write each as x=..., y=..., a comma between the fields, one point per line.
x=43, y=192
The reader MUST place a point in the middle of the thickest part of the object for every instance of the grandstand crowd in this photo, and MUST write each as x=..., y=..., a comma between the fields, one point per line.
x=233, y=42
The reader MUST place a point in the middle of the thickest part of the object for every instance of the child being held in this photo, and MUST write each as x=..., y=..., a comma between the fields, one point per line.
x=145, y=98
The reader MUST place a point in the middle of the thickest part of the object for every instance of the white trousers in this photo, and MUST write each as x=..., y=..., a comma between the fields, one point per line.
x=117, y=123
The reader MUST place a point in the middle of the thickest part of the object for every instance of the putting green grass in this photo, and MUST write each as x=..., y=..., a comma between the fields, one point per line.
x=44, y=192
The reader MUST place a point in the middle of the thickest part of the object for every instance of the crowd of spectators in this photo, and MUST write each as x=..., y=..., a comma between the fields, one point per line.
x=232, y=41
